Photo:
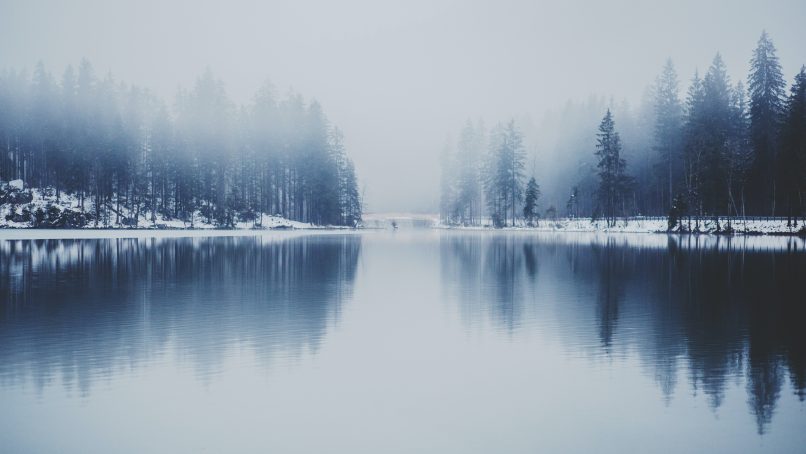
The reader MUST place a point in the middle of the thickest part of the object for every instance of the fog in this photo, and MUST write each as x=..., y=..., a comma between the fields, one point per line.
x=401, y=78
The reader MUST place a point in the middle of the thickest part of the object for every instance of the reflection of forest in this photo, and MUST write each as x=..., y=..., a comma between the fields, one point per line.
x=719, y=310
x=76, y=309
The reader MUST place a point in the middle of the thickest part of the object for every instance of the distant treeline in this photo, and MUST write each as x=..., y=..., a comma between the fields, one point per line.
x=116, y=146
x=724, y=150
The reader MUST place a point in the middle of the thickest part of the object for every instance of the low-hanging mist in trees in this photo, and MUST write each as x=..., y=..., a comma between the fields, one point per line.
x=119, y=148
x=614, y=183
x=721, y=149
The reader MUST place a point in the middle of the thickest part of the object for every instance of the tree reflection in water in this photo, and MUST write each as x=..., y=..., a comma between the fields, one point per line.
x=723, y=308
x=78, y=310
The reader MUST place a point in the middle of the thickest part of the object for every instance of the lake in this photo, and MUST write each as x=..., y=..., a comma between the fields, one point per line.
x=407, y=341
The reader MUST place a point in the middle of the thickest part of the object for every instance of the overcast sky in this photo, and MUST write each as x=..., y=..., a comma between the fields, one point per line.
x=397, y=77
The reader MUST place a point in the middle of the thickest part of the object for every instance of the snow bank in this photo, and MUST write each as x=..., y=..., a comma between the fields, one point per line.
x=21, y=208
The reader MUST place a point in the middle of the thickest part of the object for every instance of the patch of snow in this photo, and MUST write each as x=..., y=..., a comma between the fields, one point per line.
x=16, y=184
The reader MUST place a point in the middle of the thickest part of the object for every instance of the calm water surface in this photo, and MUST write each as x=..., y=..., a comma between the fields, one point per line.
x=419, y=341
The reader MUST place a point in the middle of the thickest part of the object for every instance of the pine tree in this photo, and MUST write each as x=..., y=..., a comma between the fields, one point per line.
x=468, y=191
x=531, y=198
x=348, y=197
x=494, y=193
x=716, y=119
x=739, y=156
x=503, y=173
x=668, y=125
x=613, y=180
x=694, y=135
x=767, y=92
x=512, y=157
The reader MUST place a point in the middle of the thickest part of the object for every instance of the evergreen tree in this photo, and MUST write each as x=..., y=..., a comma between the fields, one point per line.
x=531, y=198
x=716, y=119
x=739, y=155
x=349, y=199
x=508, y=157
x=613, y=180
x=767, y=92
x=494, y=193
x=668, y=125
x=468, y=190
x=695, y=131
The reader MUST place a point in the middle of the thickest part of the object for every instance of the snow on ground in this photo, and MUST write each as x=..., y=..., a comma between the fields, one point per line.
x=13, y=215
x=758, y=225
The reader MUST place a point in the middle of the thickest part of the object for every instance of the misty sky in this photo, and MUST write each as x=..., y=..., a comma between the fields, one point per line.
x=398, y=77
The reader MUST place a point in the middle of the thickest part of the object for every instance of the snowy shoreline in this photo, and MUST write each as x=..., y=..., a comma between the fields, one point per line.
x=13, y=234
x=655, y=225
x=41, y=209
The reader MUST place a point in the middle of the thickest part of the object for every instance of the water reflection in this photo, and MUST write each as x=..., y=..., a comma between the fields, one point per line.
x=716, y=309
x=75, y=311
x=507, y=333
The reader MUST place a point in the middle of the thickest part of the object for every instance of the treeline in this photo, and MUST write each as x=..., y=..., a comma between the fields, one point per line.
x=478, y=181
x=724, y=149
x=120, y=149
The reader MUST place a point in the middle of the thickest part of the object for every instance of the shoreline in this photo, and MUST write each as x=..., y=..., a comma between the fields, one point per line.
x=739, y=227
x=798, y=233
x=29, y=233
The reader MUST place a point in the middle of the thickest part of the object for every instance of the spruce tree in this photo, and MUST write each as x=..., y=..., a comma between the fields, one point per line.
x=613, y=180
x=716, y=119
x=767, y=89
x=668, y=125
x=531, y=197
x=739, y=156
x=494, y=193
x=694, y=134
x=511, y=162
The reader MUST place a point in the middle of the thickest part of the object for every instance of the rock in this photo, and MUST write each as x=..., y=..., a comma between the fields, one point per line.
x=16, y=184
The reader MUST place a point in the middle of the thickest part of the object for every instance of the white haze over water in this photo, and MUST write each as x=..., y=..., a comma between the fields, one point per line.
x=398, y=77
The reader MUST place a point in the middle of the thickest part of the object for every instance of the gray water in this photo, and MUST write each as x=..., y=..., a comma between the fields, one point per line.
x=420, y=341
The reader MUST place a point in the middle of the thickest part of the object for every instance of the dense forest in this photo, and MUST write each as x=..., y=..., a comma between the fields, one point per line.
x=125, y=156
x=720, y=150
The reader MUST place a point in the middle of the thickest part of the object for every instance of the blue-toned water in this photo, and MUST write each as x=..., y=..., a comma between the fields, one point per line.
x=409, y=341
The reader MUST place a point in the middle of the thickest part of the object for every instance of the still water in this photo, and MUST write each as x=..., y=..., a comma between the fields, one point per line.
x=420, y=341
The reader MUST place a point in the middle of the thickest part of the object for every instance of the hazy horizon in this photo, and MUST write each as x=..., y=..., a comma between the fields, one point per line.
x=399, y=78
